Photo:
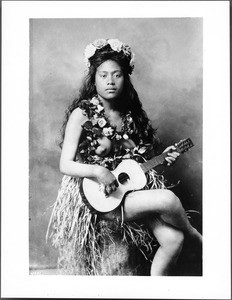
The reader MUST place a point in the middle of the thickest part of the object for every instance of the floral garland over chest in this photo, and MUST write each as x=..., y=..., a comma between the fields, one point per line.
x=99, y=126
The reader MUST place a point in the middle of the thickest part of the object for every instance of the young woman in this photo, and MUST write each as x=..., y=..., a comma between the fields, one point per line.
x=104, y=125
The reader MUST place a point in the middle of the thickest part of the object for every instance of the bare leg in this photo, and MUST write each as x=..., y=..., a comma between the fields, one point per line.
x=168, y=230
x=171, y=243
x=162, y=202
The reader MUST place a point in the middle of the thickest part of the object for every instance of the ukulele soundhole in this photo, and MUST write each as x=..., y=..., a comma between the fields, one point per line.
x=123, y=178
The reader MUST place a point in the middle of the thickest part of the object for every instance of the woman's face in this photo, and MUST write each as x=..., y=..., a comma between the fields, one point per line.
x=109, y=80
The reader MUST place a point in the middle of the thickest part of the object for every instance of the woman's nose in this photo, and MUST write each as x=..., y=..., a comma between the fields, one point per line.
x=110, y=80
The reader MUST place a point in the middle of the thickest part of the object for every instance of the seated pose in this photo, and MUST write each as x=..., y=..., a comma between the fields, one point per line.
x=103, y=126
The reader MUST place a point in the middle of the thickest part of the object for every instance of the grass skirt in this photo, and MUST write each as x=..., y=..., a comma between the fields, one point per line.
x=80, y=235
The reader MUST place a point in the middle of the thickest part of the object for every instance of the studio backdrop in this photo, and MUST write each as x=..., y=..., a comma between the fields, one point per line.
x=167, y=76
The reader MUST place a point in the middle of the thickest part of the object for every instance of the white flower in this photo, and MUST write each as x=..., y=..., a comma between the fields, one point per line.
x=96, y=157
x=87, y=63
x=95, y=119
x=102, y=122
x=127, y=50
x=129, y=119
x=132, y=61
x=89, y=51
x=99, y=108
x=94, y=101
x=108, y=131
x=125, y=136
x=100, y=43
x=118, y=137
x=115, y=44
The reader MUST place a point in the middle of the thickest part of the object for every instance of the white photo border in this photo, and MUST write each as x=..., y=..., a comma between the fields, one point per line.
x=16, y=281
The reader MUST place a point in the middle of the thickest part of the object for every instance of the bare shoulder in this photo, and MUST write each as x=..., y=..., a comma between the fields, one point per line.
x=77, y=116
x=74, y=125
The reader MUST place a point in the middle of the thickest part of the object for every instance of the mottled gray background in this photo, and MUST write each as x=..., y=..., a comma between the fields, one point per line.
x=167, y=77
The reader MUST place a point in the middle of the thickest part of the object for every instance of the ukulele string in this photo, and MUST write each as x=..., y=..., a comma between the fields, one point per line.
x=149, y=164
x=123, y=177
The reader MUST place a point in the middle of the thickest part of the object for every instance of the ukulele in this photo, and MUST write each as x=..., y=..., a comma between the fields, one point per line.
x=130, y=176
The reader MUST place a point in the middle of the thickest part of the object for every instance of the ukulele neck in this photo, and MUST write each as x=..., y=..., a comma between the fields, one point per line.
x=181, y=147
x=152, y=163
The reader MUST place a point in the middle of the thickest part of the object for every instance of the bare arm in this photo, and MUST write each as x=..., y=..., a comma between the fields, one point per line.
x=71, y=140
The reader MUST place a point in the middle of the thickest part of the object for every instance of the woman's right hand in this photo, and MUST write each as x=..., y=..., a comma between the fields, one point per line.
x=106, y=178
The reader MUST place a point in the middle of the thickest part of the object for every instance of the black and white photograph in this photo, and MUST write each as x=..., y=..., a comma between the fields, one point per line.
x=123, y=203
x=115, y=138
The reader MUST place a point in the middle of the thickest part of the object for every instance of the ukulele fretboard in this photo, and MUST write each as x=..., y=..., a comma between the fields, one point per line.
x=152, y=163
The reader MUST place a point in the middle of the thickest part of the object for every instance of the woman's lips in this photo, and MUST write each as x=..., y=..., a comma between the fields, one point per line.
x=111, y=90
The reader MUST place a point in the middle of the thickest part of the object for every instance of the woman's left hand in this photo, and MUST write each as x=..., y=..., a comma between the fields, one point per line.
x=171, y=154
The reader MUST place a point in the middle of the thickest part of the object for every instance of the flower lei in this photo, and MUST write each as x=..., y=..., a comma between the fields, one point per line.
x=98, y=126
x=115, y=45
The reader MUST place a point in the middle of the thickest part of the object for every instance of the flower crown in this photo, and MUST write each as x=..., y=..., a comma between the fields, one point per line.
x=115, y=45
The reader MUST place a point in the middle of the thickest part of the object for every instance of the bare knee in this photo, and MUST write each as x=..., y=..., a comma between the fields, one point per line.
x=169, y=202
x=169, y=238
x=172, y=241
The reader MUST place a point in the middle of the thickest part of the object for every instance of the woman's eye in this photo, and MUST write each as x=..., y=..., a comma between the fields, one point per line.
x=102, y=75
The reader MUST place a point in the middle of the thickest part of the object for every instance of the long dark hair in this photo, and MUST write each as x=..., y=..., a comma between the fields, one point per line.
x=128, y=100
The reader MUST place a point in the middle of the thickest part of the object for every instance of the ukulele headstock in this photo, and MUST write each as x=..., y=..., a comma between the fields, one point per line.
x=184, y=145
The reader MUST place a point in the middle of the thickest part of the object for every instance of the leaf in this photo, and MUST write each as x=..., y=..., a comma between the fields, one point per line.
x=87, y=125
x=142, y=150
x=97, y=131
